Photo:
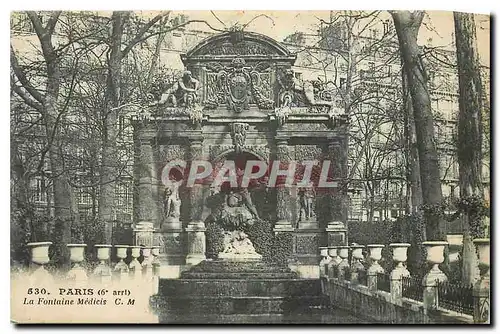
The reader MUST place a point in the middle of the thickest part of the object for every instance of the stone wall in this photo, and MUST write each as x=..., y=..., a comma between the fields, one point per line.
x=379, y=307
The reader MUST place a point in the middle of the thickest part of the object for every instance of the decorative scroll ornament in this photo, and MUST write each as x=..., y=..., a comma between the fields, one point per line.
x=239, y=134
x=237, y=84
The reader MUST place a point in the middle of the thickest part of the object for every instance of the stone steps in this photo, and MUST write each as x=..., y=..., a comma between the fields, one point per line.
x=196, y=305
x=240, y=287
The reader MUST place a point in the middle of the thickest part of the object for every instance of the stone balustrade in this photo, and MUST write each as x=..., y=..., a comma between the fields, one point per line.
x=420, y=299
x=104, y=272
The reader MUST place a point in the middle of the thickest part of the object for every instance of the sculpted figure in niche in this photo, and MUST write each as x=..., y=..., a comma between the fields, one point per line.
x=182, y=93
x=172, y=202
x=306, y=203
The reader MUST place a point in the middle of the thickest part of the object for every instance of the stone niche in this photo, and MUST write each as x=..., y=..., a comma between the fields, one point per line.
x=239, y=97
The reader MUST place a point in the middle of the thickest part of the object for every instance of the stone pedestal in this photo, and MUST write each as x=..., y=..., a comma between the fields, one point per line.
x=39, y=258
x=343, y=266
x=308, y=225
x=323, y=263
x=135, y=266
x=375, y=267
x=357, y=263
x=77, y=272
x=143, y=234
x=336, y=232
x=103, y=272
x=399, y=255
x=196, y=242
x=171, y=253
x=121, y=268
x=435, y=256
x=481, y=290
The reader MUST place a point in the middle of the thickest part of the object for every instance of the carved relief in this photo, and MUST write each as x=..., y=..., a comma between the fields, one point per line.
x=260, y=151
x=307, y=244
x=238, y=84
x=243, y=48
x=282, y=200
x=308, y=152
x=239, y=134
x=171, y=152
x=284, y=152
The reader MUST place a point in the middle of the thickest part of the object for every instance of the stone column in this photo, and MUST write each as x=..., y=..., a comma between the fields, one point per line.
x=196, y=227
x=399, y=255
x=283, y=197
x=144, y=227
x=481, y=290
x=375, y=267
x=435, y=256
x=336, y=228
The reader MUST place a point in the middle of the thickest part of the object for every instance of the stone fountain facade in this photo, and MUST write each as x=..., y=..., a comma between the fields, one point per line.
x=239, y=97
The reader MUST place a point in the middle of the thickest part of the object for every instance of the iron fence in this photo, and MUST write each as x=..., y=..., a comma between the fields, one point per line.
x=333, y=272
x=383, y=282
x=362, y=277
x=413, y=288
x=346, y=273
x=456, y=297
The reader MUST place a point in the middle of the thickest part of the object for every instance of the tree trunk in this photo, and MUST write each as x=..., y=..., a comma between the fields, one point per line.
x=469, y=135
x=109, y=161
x=416, y=252
x=407, y=25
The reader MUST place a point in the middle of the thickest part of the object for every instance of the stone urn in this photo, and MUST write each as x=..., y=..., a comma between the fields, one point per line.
x=135, y=266
x=375, y=256
x=334, y=256
x=357, y=254
x=435, y=256
x=399, y=255
x=323, y=263
x=40, y=257
x=77, y=256
x=121, y=253
x=40, y=252
x=343, y=252
x=357, y=262
x=103, y=271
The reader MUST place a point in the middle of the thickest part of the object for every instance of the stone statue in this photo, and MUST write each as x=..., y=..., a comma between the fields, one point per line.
x=306, y=204
x=182, y=93
x=239, y=134
x=239, y=247
x=172, y=203
x=239, y=244
x=296, y=92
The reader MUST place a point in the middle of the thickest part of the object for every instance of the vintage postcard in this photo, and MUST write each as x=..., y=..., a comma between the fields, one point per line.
x=250, y=167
